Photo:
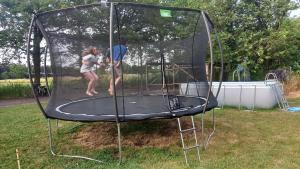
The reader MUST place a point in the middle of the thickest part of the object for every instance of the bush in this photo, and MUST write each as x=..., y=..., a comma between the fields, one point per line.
x=14, y=71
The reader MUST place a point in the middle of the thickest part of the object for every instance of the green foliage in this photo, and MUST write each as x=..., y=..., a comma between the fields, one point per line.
x=15, y=17
x=256, y=33
x=283, y=45
x=14, y=71
x=15, y=90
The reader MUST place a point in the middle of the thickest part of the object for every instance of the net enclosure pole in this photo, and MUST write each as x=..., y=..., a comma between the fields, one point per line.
x=211, y=58
x=220, y=78
x=205, y=141
x=112, y=60
x=41, y=28
x=112, y=5
x=222, y=65
x=46, y=72
x=32, y=24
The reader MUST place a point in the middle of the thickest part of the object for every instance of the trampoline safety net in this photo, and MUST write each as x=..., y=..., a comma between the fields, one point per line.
x=165, y=58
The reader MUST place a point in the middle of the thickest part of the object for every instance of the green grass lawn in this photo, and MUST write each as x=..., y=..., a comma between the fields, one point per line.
x=243, y=139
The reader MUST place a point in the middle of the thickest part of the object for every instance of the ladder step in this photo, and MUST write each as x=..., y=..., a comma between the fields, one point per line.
x=191, y=129
x=278, y=92
x=189, y=148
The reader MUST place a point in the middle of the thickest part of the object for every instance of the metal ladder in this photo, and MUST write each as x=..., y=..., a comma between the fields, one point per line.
x=282, y=102
x=277, y=88
x=184, y=147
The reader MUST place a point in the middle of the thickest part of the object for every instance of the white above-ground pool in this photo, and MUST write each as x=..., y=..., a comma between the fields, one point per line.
x=254, y=94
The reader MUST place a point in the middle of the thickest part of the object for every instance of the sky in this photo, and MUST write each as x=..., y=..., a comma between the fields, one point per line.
x=295, y=13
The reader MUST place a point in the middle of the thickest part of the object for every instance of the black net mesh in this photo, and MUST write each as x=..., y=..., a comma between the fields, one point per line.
x=162, y=75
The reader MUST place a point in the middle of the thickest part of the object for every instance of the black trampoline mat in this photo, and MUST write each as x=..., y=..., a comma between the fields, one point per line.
x=129, y=108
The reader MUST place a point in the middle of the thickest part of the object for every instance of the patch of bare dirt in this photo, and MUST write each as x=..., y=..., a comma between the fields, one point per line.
x=292, y=87
x=158, y=133
x=294, y=94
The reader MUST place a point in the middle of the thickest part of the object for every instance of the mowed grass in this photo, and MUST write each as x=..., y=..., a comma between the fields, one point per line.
x=243, y=139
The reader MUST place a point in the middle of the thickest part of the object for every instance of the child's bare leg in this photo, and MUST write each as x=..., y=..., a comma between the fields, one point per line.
x=111, y=87
x=95, y=79
x=89, y=77
x=117, y=81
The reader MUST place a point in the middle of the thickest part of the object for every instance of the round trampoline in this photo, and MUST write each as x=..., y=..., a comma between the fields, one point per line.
x=140, y=108
x=166, y=48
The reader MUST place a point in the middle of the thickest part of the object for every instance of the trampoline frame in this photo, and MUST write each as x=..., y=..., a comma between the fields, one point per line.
x=35, y=22
x=64, y=155
x=173, y=113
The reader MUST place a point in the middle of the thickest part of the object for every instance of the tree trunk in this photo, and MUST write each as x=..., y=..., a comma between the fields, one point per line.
x=36, y=55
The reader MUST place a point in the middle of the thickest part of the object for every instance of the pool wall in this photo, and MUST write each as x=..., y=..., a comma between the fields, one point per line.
x=254, y=94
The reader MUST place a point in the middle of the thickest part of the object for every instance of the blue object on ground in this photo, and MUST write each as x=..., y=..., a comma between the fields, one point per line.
x=294, y=109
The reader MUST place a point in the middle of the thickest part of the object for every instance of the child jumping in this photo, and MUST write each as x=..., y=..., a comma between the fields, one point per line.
x=119, y=51
x=89, y=59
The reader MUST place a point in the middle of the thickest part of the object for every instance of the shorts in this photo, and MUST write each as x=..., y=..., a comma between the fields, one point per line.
x=85, y=69
x=118, y=71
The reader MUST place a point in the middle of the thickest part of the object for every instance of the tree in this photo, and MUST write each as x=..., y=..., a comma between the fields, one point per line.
x=283, y=46
x=15, y=19
x=14, y=71
x=250, y=30
x=245, y=28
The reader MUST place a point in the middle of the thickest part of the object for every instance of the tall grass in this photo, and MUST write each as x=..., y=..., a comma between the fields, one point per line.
x=7, y=81
x=17, y=88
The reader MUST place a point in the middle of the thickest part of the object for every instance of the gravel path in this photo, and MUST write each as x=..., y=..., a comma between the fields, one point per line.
x=10, y=102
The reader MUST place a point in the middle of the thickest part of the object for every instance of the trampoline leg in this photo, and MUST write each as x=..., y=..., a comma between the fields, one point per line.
x=223, y=97
x=61, y=155
x=119, y=143
x=212, y=133
x=56, y=126
x=202, y=130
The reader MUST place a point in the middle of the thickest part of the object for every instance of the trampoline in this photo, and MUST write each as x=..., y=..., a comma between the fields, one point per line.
x=141, y=108
x=167, y=46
